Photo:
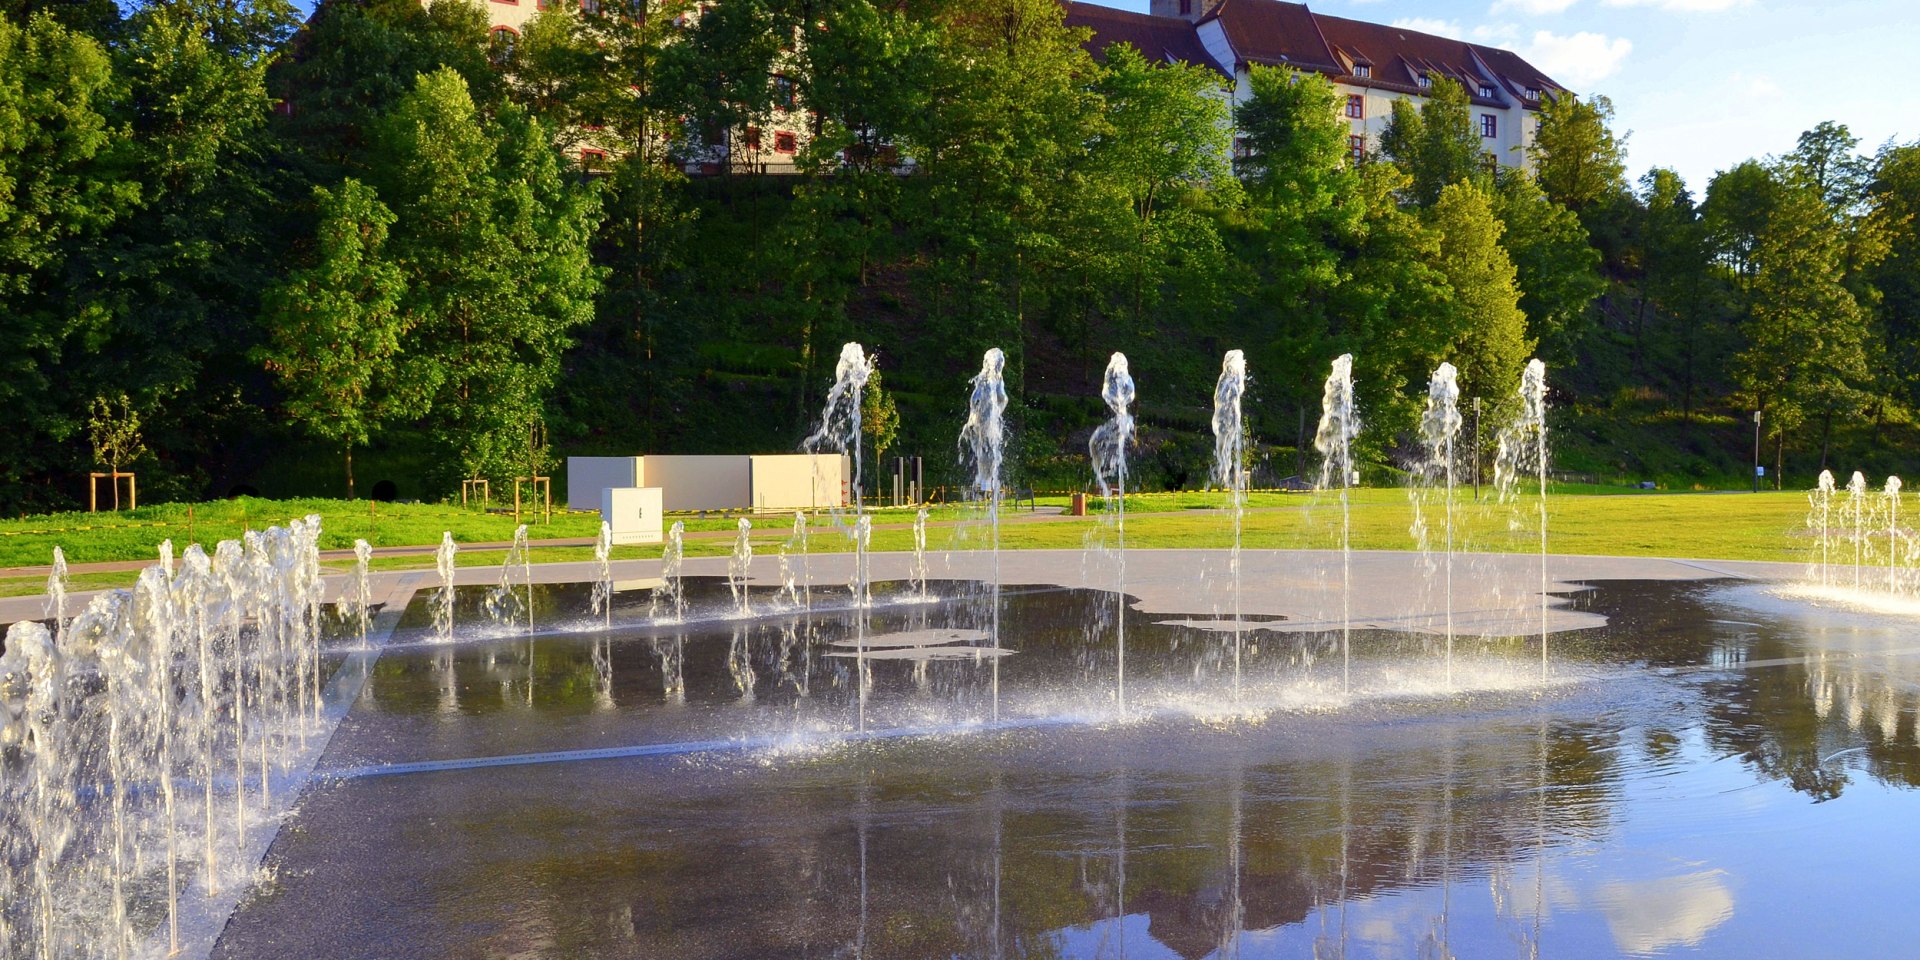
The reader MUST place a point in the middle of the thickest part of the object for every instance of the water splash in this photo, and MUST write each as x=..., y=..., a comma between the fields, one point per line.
x=57, y=585
x=1522, y=456
x=1230, y=473
x=110, y=800
x=1857, y=515
x=361, y=598
x=1339, y=424
x=919, y=572
x=1108, y=450
x=1439, y=425
x=503, y=605
x=672, y=594
x=1891, y=496
x=603, y=569
x=443, y=558
x=739, y=565
x=983, y=445
x=839, y=431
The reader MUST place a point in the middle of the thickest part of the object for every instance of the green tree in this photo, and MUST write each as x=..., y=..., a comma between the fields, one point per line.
x=335, y=327
x=1435, y=143
x=1806, y=336
x=1557, y=269
x=356, y=59
x=494, y=239
x=1828, y=158
x=1894, y=195
x=1580, y=164
x=114, y=427
x=63, y=184
x=1677, y=274
x=879, y=418
x=1491, y=343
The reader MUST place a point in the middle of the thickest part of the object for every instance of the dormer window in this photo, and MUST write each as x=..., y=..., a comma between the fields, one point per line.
x=1533, y=93
x=1362, y=70
x=1426, y=81
x=1486, y=92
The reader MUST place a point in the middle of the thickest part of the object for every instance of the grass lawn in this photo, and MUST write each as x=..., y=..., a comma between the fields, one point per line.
x=1766, y=526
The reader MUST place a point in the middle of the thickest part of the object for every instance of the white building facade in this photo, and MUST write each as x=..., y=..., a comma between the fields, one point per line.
x=1372, y=65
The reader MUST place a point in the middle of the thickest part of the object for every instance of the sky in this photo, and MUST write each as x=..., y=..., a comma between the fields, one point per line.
x=1700, y=84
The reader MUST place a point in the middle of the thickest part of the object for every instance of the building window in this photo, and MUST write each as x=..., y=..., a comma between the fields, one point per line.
x=1426, y=81
x=1241, y=148
x=1489, y=125
x=1357, y=148
x=590, y=6
x=750, y=138
x=500, y=44
x=1362, y=70
x=1486, y=92
x=593, y=159
x=784, y=142
x=1186, y=8
x=1533, y=93
x=1356, y=106
x=783, y=92
x=1489, y=162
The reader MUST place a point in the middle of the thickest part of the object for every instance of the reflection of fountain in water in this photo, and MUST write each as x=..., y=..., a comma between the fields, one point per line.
x=1108, y=450
x=1339, y=424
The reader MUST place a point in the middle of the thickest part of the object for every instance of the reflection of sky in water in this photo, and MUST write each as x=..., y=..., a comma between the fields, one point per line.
x=1726, y=772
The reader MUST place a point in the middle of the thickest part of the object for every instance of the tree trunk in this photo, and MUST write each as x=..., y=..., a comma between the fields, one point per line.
x=1779, y=455
x=113, y=480
x=349, y=471
x=1826, y=438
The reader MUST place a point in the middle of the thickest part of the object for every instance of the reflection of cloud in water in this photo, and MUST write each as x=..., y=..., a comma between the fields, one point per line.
x=1648, y=916
x=1126, y=936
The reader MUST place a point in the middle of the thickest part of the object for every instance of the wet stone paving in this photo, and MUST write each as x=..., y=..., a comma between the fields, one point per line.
x=1718, y=771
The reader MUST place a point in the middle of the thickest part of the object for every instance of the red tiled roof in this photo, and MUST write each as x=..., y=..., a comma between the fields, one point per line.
x=1276, y=32
x=1158, y=38
x=1273, y=32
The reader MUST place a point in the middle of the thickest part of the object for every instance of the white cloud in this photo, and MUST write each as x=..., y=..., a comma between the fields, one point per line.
x=1442, y=28
x=1498, y=35
x=1534, y=7
x=1578, y=60
x=1682, y=6
x=1754, y=85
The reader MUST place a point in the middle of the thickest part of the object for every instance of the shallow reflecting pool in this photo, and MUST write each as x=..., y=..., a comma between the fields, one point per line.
x=1717, y=772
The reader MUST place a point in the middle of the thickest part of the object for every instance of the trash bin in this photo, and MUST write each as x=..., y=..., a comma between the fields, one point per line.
x=1079, y=507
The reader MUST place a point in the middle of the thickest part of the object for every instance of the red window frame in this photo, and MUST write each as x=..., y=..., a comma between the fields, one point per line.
x=750, y=138
x=1356, y=106
x=784, y=141
x=1357, y=147
x=590, y=157
x=1489, y=125
x=783, y=92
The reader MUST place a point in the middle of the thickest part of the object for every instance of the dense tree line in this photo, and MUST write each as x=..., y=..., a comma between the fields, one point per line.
x=374, y=232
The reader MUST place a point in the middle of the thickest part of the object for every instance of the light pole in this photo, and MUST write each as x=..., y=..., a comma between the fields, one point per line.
x=1756, y=451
